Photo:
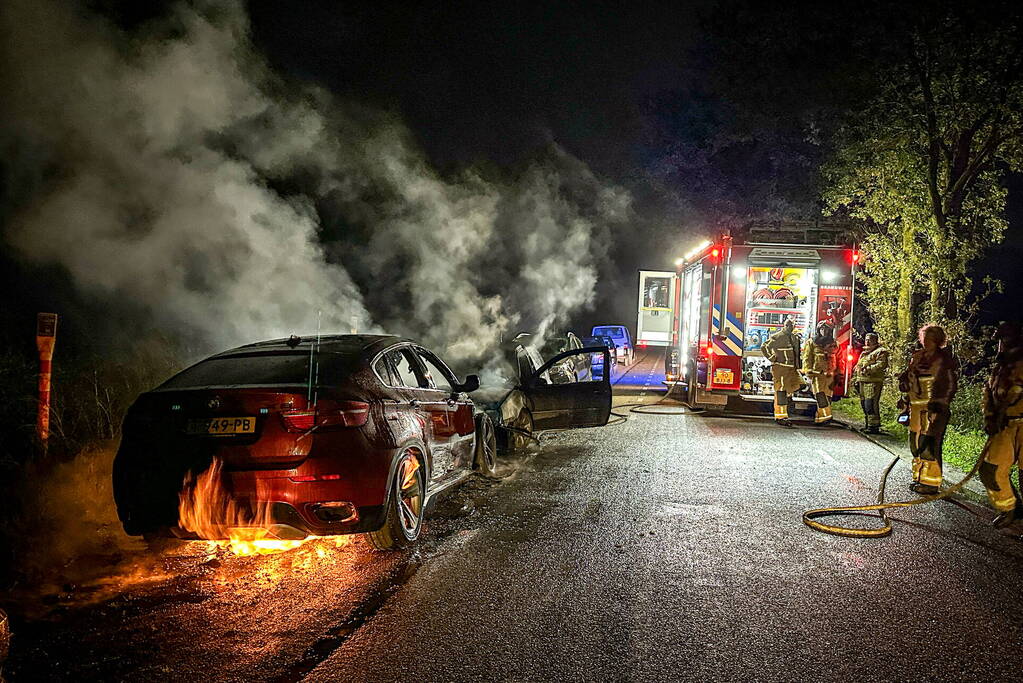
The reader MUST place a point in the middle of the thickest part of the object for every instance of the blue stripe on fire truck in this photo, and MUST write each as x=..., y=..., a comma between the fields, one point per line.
x=732, y=344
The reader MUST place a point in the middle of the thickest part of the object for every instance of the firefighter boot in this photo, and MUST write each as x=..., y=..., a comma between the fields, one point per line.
x=823, y=409
x=926, y=464
x=781, y=409
x=1003, y=450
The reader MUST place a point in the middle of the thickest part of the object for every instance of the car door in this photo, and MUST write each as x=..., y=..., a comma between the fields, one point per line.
x=581, y=362
x=572, y=404
x=462, y=426
x=429, y=404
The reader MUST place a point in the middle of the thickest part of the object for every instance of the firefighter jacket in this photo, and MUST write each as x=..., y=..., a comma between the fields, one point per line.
x=872, y=366
x=819, y=358
x=782, y=348
x=1003, y=393
x=931, y=380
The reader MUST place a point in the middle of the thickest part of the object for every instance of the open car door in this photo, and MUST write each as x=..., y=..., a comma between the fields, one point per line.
x=557, y=402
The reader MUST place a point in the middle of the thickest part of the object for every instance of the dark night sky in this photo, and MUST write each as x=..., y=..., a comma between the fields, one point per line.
x=482, y=81
x=611, y=83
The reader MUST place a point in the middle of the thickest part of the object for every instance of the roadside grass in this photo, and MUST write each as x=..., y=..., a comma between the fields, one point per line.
x=962, y=446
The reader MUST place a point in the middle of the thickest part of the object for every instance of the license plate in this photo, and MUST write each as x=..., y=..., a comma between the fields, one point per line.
x=222, y=426
x=723, y=376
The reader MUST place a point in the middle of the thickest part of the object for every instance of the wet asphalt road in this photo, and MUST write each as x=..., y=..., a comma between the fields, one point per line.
x=661, y=548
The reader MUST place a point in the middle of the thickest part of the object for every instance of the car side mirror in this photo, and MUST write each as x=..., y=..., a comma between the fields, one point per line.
x=471, y=383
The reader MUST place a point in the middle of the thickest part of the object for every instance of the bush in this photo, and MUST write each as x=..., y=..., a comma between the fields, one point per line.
x=58, y=507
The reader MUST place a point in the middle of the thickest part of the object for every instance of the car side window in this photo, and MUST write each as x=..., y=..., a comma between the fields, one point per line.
x=440, y=379
x=407, y=368
x=383, y=370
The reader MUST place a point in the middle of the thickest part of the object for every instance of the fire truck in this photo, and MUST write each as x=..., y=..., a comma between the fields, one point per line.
x=728, y=299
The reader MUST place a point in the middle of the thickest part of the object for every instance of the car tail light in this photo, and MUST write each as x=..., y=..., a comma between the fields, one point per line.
x=353, y=413
x=298, y=420
x=328, y=414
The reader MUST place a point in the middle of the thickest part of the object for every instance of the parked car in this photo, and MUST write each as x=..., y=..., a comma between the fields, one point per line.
x=348, y=434
x=625, y=351
x=599, y=362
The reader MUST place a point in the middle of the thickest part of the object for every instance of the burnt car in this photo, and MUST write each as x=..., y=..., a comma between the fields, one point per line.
x=338, y=435
x=546, y=395
x=577, y=365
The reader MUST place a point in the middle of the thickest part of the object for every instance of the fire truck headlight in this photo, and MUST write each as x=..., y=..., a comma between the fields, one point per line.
x=829, y=276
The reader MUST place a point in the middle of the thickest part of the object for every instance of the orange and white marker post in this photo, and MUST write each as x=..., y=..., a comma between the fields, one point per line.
x=46, y=337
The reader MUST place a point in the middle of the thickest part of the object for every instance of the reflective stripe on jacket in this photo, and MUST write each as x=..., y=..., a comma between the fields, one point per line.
x=819, y=360
x=782, y=348
x=931, y=378
x=873, y=366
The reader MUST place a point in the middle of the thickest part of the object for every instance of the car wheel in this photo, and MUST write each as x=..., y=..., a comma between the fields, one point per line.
x=485, y=460
x=405, y=507
x=521, y=433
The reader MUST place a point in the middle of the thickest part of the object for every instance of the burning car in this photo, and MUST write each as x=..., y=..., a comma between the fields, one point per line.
x=292, y=438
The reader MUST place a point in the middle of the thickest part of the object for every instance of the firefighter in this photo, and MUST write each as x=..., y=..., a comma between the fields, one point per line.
x=819, y=365
x=1003, y=421
x=782, y=350
x=928, y=385
x=868, y=376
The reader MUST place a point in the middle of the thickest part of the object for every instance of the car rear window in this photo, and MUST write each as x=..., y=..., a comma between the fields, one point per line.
x=261, y=370
x=616, y=331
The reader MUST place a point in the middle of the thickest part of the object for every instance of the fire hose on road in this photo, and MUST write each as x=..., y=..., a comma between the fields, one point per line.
x=810, y=517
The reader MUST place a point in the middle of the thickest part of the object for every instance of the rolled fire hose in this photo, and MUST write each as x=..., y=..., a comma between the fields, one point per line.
x=810, y=517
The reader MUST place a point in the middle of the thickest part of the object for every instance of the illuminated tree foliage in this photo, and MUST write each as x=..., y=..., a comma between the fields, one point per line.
x=923, y=163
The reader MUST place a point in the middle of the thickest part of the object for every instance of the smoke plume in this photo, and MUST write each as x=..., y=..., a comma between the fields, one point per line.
x=170, y=167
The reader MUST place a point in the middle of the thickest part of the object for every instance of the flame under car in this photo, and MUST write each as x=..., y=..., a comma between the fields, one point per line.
x=296, y=438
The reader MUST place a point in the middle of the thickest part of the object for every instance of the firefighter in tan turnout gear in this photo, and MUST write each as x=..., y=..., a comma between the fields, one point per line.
x=1003, y=421
x=928, y=386
x=819, y=365
x=868, y=376
x=782, y=350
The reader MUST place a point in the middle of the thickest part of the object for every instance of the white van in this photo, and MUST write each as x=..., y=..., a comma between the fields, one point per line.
x=623, y=342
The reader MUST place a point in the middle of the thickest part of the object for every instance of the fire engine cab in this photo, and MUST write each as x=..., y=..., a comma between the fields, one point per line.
x=728, y=299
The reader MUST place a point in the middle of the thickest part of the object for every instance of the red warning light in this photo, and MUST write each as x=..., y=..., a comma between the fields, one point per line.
x=849, y=356
x=854, y=257
x=715, y=252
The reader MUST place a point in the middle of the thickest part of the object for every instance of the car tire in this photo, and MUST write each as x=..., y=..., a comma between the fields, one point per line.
x=517, y=440
x=406, y=505
x=485, y=453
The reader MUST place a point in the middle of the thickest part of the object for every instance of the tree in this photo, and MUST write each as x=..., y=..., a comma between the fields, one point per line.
x=923, y=162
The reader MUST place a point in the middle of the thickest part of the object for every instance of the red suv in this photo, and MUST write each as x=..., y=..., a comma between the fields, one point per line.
x=345, y=434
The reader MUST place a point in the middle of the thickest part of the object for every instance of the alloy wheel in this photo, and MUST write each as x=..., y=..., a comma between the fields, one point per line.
x=410, y=489
x=489, y=445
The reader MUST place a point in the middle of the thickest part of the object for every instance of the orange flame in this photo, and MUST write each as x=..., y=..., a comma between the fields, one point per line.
x=207, y=509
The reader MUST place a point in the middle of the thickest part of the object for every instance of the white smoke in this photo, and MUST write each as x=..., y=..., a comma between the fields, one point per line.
x=170, y=168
